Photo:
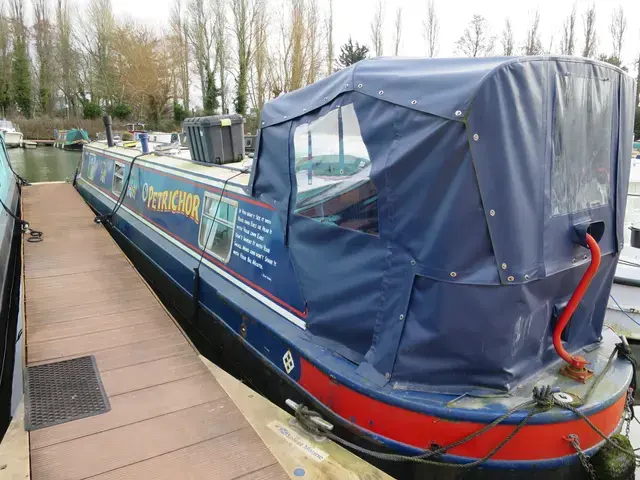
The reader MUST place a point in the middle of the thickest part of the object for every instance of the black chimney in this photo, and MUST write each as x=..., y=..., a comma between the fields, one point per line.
x=107, y=129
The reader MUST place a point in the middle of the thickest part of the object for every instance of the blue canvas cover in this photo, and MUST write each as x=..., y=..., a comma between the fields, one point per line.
x=430, y=208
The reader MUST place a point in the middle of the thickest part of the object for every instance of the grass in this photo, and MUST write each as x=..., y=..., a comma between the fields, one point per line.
x=41, y=128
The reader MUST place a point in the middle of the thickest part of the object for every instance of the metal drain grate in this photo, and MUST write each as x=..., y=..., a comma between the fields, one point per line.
x=63, y=391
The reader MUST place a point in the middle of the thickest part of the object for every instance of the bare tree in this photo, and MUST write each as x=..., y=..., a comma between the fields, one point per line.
x=617, y=28
x=66, y=57
x=377, y=28
x=507, y=39
x=431, y=29
x=180, y=51
x=261, y=58
x=329, y=33
x=568, y=40
x=200, y=35
x=222, y=50
x=313, y=38
x=590, y=38
x=244, y=12
x=397, y=31
x=477, y=40
x=297, y=73
x=533, y=45
x=43, y=39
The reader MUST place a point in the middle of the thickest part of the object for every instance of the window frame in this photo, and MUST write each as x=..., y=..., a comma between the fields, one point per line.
x=220, y=199
x=118, y=175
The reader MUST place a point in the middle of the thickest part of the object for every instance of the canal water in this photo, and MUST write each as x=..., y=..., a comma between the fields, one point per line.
x=44, y=164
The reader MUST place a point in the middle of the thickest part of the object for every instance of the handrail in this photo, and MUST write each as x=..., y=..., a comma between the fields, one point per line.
x=575, y=360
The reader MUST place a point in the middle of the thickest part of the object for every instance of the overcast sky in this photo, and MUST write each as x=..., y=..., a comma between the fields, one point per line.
x=353, y=17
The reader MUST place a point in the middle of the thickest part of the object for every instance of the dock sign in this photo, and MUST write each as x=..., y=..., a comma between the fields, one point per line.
x=299, y=441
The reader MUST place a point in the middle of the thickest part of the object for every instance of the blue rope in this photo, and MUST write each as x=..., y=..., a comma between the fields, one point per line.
x=622, y=310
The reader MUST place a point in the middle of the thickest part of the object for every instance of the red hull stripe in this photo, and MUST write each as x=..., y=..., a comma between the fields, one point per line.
x=533, y=442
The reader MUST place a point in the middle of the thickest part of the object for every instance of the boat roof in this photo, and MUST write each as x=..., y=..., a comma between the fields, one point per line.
x=438, y=86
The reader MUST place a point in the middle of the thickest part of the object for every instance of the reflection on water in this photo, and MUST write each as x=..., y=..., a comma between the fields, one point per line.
x=44, y=164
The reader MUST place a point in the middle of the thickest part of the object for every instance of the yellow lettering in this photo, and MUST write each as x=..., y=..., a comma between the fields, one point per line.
x=195, y=209
x=188, y=204
x=165, y=205
x=150, y=196
x=183, y=197
x=154, y=205
x=174, y=200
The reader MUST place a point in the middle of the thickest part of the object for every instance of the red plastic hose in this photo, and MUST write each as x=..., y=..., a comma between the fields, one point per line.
x=575, y=299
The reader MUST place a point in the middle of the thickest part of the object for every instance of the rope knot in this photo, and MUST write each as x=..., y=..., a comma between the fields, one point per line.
x=543, y=396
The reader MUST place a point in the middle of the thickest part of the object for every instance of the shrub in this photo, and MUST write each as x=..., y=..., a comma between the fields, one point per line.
x=179, y=112
x=122, y=111
x=91, y=110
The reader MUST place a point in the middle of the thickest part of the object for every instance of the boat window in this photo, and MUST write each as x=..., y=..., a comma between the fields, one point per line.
x=118, y=178
x=218, y=235
x=581, y=144
x=332, y=168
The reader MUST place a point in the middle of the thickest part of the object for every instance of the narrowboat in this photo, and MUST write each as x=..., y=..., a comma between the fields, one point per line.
x=10, y=274
x=419, y=255
x=74, y=139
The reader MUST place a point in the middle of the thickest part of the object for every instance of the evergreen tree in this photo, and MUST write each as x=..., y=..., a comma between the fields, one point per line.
x=21, y=77
x=210, y=101
x=350, y=54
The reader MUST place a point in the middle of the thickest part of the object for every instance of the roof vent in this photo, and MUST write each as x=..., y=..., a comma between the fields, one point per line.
x=216, y=140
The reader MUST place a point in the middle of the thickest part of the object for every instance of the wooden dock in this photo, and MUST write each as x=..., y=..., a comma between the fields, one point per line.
x=170, y=418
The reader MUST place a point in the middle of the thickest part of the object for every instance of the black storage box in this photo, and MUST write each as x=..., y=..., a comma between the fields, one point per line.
x=217, y=139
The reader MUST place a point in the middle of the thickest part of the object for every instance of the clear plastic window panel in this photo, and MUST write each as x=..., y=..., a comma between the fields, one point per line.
x=118, y=177
x=581, y=170
x=333, y=169
x=217, y=237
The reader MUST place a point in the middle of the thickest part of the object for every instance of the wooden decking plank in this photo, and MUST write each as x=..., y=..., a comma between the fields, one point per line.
x=169, y=417
x=239, y=454
x=144, y=375
x=99, y=323
x=133, y=407
x=111, y=449
x=136, y=352
x=86, y=344
x=104, y=307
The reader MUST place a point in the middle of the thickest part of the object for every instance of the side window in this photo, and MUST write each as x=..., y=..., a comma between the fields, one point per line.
x=332, y=168
x=217, y=236
x=118, y=178
x=581, y=170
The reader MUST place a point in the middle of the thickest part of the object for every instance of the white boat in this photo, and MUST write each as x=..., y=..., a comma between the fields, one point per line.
x=11, y=132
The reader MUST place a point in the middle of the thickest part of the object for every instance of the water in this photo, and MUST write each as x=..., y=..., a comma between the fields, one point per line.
x=44, y=164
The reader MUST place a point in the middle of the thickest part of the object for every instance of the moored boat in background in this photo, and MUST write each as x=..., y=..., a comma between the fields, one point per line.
x=393, y=260
x=73, y=139
x=11, y=133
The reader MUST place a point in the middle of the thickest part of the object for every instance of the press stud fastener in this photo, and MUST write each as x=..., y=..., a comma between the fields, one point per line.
x=492, y=213
x=387, y=376
x=359, y=85
x=458, y=113
x=453, y=274
x=510, y=278
x=413, y=262
x=401, y=317
x=413, y=102
x=504, y=266
x=381, y=92
x=476, y=137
